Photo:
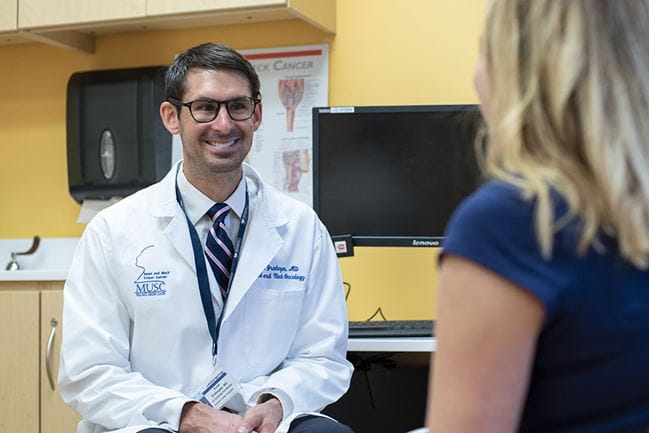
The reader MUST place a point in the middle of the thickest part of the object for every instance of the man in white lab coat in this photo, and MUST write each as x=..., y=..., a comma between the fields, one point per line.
x=160, y=331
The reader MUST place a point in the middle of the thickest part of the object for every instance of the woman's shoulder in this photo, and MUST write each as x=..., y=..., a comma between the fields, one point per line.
x=494, y=203
x=494, y=227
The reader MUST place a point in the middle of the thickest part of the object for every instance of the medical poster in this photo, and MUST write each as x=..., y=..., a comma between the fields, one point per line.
x=293, y=81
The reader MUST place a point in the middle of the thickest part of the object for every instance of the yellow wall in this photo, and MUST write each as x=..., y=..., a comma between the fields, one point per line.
x=384, y=52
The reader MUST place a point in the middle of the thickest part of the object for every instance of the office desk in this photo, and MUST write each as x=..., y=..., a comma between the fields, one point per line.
x=395, y=344
x=389, y=387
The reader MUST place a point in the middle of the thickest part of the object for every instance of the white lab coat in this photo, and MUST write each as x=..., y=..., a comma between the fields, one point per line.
x=135, y=337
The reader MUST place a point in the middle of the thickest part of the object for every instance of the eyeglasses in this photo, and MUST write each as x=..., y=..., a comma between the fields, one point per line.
x=204, y=110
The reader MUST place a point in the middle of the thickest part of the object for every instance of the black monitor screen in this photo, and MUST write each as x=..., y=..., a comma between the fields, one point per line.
x=393, y=175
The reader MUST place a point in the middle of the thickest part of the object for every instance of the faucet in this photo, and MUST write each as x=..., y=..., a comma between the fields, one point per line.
x=13, y=264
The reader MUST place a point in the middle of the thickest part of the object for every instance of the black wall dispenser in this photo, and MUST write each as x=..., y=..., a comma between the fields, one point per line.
x=116, y=142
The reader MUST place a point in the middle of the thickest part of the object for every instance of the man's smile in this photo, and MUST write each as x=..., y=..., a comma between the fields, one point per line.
x=222, y=143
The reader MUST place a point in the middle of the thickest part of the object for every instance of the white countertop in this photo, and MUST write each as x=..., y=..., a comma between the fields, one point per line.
x=31, y=275
x=401, y=344
x=50, y=262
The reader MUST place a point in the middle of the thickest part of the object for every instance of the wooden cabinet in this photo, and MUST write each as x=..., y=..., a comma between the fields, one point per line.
x=165, y=7
x=29, y=405
x=195, y=13
x=46, y=13
x=8, y=14
x=74, y=23
x=19, y=303
x=56, y=416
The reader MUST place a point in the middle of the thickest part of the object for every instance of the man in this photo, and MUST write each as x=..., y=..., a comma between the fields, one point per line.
x=209, y=275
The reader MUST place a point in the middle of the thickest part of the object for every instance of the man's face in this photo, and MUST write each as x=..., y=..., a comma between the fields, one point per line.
x=219, y=146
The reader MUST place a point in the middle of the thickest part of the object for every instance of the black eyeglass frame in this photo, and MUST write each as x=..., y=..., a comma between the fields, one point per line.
x=188, y=104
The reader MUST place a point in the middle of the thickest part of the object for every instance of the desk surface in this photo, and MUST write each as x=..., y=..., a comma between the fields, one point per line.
x=403, y=344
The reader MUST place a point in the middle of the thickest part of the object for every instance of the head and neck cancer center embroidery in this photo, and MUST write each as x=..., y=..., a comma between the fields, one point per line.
x=149, y=282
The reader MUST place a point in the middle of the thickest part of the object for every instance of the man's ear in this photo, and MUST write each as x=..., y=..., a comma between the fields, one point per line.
x=169, y=117
x=256, y=117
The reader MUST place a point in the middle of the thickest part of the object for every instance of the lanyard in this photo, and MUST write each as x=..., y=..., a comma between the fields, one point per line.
x=213, y=325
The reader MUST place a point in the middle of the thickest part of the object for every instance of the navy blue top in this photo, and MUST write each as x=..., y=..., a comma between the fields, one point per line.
x=591, y=369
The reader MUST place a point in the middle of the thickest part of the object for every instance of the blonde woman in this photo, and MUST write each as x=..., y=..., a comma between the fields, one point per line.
x=543, y=320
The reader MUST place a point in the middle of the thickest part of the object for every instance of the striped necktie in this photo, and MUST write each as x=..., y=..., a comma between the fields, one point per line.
x=218, y=247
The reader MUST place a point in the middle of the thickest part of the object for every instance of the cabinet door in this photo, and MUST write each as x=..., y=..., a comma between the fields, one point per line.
x=19, y=359
x=56, y=416
x=47, y=13
x=164, y=7
x=8, y=14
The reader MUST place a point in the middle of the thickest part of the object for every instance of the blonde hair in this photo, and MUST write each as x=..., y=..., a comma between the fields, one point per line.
x=569, y=109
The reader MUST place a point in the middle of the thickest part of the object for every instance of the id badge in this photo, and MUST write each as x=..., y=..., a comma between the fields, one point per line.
x=219, y=389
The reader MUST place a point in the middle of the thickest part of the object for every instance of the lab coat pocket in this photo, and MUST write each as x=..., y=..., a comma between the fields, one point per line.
x=271, y=318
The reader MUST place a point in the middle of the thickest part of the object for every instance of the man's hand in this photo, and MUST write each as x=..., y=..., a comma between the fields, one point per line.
x=200, y=418
x=263, y=418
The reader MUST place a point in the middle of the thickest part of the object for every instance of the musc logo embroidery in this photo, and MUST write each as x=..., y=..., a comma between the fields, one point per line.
x=149, y=283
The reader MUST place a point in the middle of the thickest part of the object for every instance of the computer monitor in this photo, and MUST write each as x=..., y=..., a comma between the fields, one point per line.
x=393, y=175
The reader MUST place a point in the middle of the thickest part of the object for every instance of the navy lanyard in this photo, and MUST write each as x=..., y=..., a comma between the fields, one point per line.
x=213, y=325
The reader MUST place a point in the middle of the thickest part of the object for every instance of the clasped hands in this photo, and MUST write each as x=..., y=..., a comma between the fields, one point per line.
x=200, y=418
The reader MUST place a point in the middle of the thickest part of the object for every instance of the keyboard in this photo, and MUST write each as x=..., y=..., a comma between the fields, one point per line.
x=392, y=328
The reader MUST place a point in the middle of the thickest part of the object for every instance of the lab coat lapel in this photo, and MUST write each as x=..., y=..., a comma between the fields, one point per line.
x=261, y=243
x=178, y=234
x=172, y=218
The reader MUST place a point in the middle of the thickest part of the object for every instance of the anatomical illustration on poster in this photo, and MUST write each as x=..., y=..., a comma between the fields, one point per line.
x=293, y=81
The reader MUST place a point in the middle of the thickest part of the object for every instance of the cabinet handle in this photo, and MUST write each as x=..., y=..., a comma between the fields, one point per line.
x=50, y=342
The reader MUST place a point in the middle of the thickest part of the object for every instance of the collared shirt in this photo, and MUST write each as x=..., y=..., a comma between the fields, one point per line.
x=196, y=206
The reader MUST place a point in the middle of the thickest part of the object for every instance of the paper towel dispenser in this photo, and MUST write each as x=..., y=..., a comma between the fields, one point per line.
x=116, y=142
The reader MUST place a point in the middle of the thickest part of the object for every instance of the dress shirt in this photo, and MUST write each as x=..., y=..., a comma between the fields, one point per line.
x=196, y=206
